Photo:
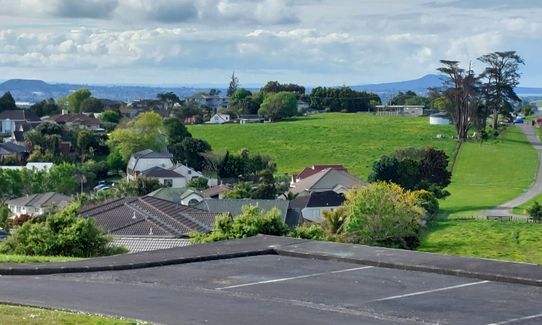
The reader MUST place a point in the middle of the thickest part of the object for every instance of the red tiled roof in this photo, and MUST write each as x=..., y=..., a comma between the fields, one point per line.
x=309, y=171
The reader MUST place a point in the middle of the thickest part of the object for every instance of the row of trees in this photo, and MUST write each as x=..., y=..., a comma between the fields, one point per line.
x=471, y=98
x=342, y=99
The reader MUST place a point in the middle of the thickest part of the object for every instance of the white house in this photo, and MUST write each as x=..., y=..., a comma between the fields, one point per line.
x=37, y=204
x=147, y=159
x=166, y=177
x=186, y=172
x=313, y=206
x=219, y=118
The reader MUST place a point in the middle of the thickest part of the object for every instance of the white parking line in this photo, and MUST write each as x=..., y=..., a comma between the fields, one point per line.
x=513, y=320
x=430, y=291
x=294, y=277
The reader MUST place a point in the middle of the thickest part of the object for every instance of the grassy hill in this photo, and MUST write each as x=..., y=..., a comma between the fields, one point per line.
x=354, y=140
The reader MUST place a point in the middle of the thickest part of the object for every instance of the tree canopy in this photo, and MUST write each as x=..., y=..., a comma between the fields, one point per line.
x=278, y=106
x=7, y=102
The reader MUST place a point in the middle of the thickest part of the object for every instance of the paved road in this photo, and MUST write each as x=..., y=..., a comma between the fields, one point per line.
x=504, y=209
x=273, y=289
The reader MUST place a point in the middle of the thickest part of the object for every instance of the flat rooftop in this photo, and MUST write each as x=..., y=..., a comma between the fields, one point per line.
x=280, y=289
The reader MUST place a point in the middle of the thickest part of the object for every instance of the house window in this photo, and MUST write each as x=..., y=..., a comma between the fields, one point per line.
x=168, y=182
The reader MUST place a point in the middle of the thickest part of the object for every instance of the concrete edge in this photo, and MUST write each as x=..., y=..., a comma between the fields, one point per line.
x=419, y=268
x=40, y=270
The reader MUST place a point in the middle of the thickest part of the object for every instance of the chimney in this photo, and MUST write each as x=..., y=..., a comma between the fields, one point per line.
x=64, y=111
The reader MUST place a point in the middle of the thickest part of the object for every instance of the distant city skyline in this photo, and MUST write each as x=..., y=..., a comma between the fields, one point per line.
x=310, y=42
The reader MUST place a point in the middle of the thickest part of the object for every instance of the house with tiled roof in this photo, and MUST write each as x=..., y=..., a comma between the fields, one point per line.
x=10, y=150
x=216, y=192
x=146, y=159
x=37, y=204
x=235, y=207
x=312, y=206
x=17, y=120
x=309, y=171
x=166, y=177
x=76, y=119
x=145, y=218
x=328, y=179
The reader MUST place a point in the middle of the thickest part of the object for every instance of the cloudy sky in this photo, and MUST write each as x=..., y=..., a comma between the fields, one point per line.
x=312, y=42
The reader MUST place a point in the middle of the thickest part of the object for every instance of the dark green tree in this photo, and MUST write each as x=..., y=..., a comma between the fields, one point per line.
x=7, y=102
x=92, y=105
x=45, y=108
x=278, y=106
x=234, y=84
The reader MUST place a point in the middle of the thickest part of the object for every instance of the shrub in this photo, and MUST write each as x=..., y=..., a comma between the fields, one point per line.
x=199, y=183
x=535, y=212
x=383, y=214
x=63, y=233
x=309, y=231
x=250, y=222
x=427, y=201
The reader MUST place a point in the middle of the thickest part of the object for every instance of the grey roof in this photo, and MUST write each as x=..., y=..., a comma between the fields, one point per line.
x=19, y=115
x=215, y=190
x=149, y=216
x=235, y=206
x=325, y=199
x=149, y=154
x=172, y=194
x=161, y=172
x=42, y=200
x=144, y=244
x=326, y=180
x=13, y=147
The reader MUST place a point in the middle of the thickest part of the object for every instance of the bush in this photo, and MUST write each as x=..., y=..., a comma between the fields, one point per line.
x=63, y=233
x=427, y=201
x=383, y=214
x=250, y=222
x=199, y=183
x=535, y=212
x=309, y=231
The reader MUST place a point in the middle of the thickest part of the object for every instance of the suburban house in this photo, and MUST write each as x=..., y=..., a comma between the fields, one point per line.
x=128, y=112
x=37, y=204
x=312, y=206
x=309, y=171
x=219, y=118
x=328, y=179
x=146, y=159
x=149, y=223
x=166, y=177
x=404, y=110
x=214, y=102
x=184, y=195
x=17, y=120
x=187, y=172
x=76, y=119
x=11, y=150
x=145, y=105
x=235, y=207
x=216, y=192
x=17, y=137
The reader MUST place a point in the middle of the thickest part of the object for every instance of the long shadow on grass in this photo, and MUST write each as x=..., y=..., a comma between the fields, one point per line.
x=444, y=213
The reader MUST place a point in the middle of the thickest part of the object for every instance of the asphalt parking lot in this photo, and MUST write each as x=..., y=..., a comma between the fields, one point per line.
x=272, y=289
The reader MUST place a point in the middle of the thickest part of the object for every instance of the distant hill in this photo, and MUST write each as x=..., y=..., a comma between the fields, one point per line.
x=416, y=85
x=37, y=90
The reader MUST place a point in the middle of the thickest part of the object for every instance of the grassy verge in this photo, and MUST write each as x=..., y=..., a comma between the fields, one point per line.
x=21, y=315
x=485, y=176
x=488, y=174
x=354, y=140
x=34, y=259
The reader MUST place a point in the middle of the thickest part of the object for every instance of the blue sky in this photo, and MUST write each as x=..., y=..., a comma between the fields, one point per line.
x=311, y=42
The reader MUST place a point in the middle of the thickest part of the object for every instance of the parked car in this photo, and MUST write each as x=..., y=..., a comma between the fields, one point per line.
x=101, y=185
x=518, y=120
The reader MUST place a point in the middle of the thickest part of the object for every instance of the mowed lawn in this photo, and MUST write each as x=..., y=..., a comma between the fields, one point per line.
x=354, y=140
x=485, y=176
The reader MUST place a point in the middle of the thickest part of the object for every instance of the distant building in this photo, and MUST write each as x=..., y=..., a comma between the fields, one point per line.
x=213, y=102
x=11, y=150
x=404, y=110
x=313, y=206
x=219, y=118
x=17, y=120
x=439, y=119
x=146, y=159
x=37, y=204
x=338, y=181
x=79, y=120
x=252, y=118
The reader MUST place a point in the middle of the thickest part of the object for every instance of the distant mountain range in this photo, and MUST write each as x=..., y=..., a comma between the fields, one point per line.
x=36, y=90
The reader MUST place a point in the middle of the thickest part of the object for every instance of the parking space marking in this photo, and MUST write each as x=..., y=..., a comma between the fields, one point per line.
x=294, y=277
x=430, y=291
x=513, y=320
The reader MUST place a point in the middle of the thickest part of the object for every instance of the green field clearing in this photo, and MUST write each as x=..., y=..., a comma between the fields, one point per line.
x=21, y=315
x=354, y=140
x=35, y=259
x=490, y=174
x=485, y=176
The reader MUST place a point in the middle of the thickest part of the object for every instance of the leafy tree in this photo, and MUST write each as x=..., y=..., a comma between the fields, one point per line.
x=145, y=132
x=241, y=190
x=4, y=217
x=278, y=106
x=250, y=222
x=92, y=105
x=383, y=214
x=168, y=99
x=45, y=108
x=234, y=84
x=62, y=178
x=175, y=130
x=7, y=102
x=115, y=163
x=199, y=183
x=242, y=102
x=415, y=169
x=110, y=116
x=191, y=152
x=501, y=77
x=76, y=98
x=342, y=99
x=63, y=233
x=535, y=212
x=462, y=96
x=276, y=87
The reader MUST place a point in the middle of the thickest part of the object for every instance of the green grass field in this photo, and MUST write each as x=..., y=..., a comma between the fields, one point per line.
x=354, y=140
x=485, y=176
x=490, y=174
x=21, y=315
